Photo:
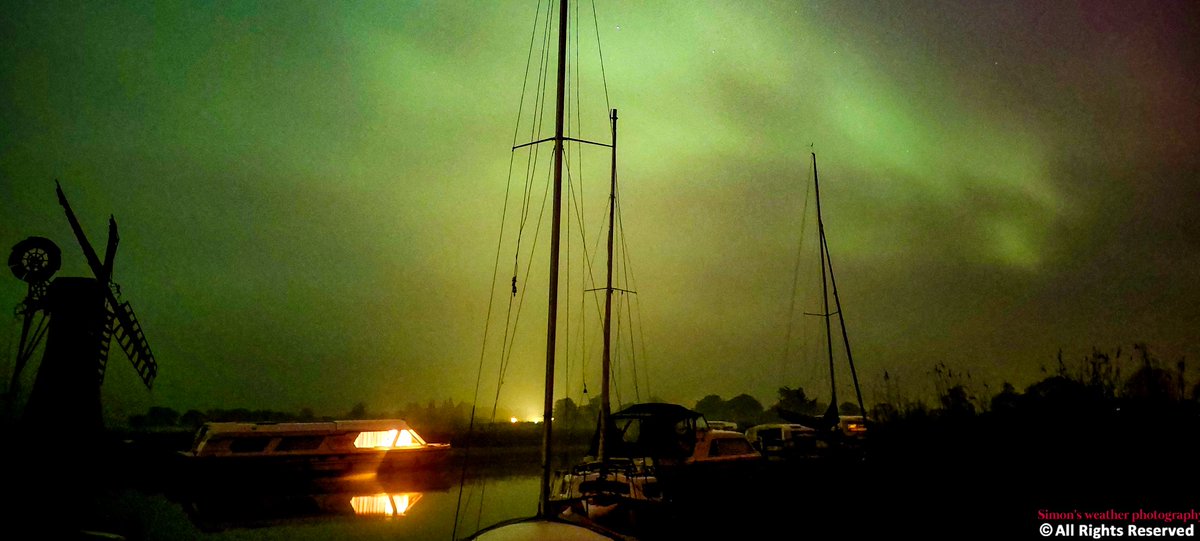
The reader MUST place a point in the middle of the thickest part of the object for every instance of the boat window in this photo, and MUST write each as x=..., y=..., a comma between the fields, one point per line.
x=300, y=443
x=249, y=445
x=408, y=438
x=381, y=438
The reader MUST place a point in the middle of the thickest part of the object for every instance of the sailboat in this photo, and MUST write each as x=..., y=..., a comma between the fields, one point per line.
x=602, y=486
x=833, y=429
x=547, y=523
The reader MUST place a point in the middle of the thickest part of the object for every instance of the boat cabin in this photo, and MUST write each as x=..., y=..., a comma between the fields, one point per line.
x=250, y=439
x=672, y=434
x=306, y=450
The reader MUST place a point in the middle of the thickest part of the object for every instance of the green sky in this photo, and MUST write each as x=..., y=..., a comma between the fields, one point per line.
x=309, y=193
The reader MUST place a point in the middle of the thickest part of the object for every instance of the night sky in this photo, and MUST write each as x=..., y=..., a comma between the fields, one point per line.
x=309, y=193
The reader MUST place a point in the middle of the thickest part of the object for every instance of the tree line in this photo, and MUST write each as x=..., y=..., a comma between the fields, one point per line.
x=1100, y=382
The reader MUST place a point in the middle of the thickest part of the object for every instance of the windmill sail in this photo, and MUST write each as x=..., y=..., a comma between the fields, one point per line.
x=126, y=328
x=133, y=342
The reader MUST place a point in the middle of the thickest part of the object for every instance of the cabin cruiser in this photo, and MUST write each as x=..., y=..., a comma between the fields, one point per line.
x=332, y=448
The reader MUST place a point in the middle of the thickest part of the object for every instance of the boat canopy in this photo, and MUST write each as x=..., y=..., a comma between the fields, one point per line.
x=655, y=430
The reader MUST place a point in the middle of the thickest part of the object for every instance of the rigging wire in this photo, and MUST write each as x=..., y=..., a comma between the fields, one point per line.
x=516, y=319
x=536, y=110
x=787, y=343
x=600, y=51
x=631, y=284
x=532, y=157
x=495, y=274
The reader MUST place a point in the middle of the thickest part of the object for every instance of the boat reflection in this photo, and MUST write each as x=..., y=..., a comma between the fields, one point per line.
x=384, y=505
x=367, y=498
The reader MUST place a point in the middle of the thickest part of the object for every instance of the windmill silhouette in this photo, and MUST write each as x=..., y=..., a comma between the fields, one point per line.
x=78, y=318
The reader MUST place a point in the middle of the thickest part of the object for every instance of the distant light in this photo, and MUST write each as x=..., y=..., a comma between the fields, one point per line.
x=512, y=420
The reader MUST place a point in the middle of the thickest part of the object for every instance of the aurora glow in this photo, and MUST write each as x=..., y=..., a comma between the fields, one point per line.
x=308, y=191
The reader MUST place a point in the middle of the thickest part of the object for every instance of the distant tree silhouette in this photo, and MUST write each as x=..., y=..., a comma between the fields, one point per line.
x=712, y=406
x=1007, y=400
x=744, y=409
x=795, y=402
x=566, y=412
x=1151, y=383
x=957, y=402
x=1058, y=394
x=193, y=419
x=849, y=408
x=884, y=412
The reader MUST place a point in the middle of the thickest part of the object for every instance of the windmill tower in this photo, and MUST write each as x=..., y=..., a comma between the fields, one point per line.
x=78, y=318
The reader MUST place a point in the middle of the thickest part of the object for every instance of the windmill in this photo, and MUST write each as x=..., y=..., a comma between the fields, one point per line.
x=79, y=318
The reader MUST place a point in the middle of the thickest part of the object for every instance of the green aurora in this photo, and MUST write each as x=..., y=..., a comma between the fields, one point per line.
x=309, y=192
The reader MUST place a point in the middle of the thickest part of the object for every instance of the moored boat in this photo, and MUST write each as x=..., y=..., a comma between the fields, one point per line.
x=308, y=450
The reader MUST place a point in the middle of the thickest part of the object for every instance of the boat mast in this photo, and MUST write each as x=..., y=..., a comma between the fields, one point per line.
x=827, y=260
x=552, y=317
x=605, y=406
x=832, y=410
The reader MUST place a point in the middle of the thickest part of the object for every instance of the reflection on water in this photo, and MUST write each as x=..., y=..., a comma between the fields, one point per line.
x=384, y=505
x=136, y=498
x=358, y=509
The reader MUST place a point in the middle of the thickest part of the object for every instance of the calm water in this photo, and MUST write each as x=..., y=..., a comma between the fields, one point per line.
x=362, y=512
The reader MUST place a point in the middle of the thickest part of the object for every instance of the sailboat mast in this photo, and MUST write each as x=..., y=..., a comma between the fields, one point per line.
x=605, y=405
x=555, y=234
x=845, y=337
x=827, y=261
x=825, y=288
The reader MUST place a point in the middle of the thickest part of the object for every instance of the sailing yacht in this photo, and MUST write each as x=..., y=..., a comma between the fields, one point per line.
x=548, y=523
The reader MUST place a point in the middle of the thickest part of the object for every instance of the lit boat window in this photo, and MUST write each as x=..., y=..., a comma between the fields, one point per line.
x=382, y=438
x=388, y=439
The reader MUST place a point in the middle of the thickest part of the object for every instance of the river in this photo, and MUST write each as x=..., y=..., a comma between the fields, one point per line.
x=365, y=511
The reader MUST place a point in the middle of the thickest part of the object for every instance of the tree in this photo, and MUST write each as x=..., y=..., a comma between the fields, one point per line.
x=795, y=401
x=956, y=402
x=566, y=412
x=712, y=406
x=1007, y=400
x=744, y=409
x=1151, y=384
x=161, y=416
x=193, y=419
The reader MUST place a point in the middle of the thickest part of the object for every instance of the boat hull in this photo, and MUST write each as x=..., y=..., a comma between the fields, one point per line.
x=389, y=462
